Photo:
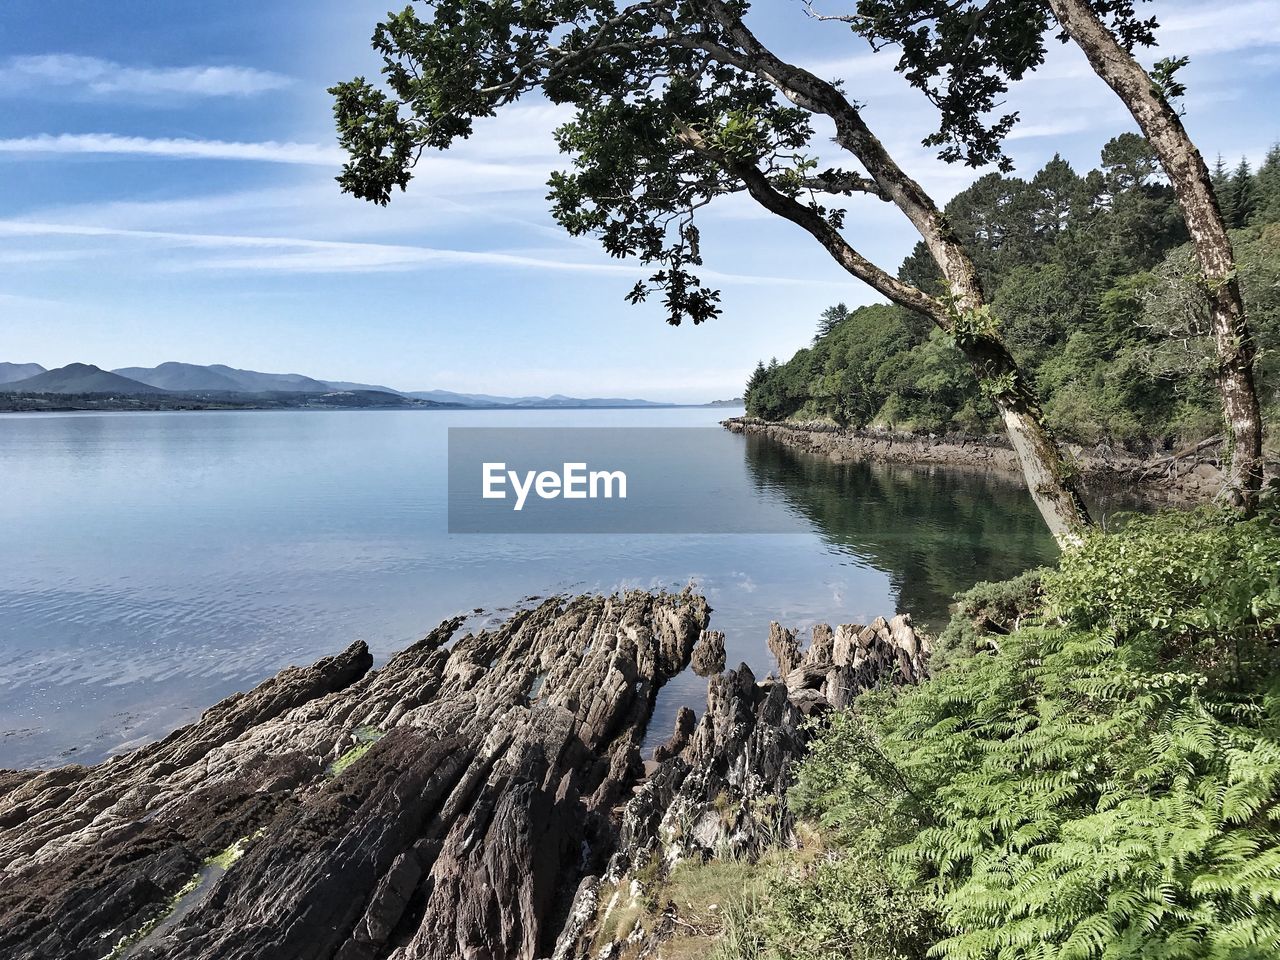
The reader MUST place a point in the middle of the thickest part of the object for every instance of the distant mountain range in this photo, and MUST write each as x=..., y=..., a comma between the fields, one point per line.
x=190, y=378
x=220, y=381
x=79, y=378
x=18, y=371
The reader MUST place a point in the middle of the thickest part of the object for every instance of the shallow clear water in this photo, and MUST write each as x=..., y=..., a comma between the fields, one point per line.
x=151, y=564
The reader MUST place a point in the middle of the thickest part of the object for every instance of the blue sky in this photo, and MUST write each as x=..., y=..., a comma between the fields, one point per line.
x=168, y=195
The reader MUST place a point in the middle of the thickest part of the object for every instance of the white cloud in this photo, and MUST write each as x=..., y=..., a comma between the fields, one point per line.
x=180, y=148
x=459, y=175
x=303, y=255
x=1220, y=28
x=105, y=78
x=1065, y=125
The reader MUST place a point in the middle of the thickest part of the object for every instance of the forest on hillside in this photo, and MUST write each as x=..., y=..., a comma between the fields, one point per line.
x=1092, y=281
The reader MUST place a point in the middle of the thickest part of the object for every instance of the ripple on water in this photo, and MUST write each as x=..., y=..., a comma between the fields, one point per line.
x=155, y=564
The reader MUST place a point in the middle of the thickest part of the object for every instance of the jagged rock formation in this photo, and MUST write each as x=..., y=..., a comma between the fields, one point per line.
x=719, y=789
x=463, y=801
x=708, y=653
x=443, y=806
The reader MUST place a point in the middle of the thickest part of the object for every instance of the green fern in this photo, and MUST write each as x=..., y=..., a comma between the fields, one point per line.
x=1108, y=786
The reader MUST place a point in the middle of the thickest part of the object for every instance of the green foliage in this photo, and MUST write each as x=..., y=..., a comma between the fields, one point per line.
x=1174, y=310
x=1268, y=186
x=879, y=364
x=666, y=103
x=851, y=906
x=986, y=612
x=1108, y=785
x=1095, y=292
x=964, y=54
x=1164, y=77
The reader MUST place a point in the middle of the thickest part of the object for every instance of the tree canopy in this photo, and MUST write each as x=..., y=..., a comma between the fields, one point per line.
x=1092, y=282
x=963, y=55
x=675, y=105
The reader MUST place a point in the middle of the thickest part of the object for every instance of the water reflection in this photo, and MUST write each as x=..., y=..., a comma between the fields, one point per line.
x=934, y=530
x=153, y=564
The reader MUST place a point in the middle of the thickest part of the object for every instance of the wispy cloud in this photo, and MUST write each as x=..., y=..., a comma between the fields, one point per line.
x=460, y=175
x=1220, y=28
x=305, y=255
x=181, y=148
x=93, y=76
x=1068, y=125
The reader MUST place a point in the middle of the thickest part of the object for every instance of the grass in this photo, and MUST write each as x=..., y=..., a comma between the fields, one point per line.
x=714, y=902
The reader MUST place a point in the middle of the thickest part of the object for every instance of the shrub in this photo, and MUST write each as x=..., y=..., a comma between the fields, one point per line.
x=1109, y=784
x=985, y=612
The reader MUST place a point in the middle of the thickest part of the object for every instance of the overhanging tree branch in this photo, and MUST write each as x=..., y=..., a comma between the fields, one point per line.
x=640, y=78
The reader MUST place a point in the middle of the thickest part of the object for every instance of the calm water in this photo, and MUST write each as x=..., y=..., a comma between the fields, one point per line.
x=151, y=564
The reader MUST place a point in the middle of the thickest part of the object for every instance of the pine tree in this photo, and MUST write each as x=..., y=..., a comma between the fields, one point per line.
x=1267, y=187
x=1244, y=199
x=1222, y=187
x=831, y=318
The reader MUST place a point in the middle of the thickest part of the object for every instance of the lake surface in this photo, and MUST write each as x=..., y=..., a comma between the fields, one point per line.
x=151, y=564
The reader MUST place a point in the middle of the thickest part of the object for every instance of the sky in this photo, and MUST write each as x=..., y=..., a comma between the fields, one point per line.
x=168, y=194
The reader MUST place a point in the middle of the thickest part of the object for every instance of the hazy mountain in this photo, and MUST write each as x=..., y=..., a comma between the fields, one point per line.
x=467, y=399
x=346, y=385
x=560, y=400
x=79, y=378
x=255, y=382
x=217, y=376
x=10, y=372
x=555, y=400
x=185, y=377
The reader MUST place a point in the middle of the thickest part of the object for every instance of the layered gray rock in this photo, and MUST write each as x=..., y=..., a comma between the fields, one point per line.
x=445, y=805
x=464, y=800
x=719, y=790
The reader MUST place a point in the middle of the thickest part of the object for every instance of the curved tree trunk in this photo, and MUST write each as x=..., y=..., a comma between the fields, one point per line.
x=1191, y=183
x=1052, y=484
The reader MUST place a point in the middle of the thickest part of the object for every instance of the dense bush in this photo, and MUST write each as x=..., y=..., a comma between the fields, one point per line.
x=984, y=613
x=1108, y=785
x=855, y=906
x=1092, y=283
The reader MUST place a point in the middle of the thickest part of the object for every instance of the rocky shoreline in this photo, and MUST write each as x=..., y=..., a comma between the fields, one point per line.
x=481, y=797
x=1190, y=475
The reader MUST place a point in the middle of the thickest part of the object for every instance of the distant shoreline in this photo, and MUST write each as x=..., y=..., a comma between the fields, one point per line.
x=1193, y=475
x=176, y=403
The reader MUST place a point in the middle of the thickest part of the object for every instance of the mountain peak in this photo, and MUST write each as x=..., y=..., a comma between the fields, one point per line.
x=79, y=378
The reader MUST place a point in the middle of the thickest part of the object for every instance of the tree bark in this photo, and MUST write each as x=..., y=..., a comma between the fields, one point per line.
x=1193, y=187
